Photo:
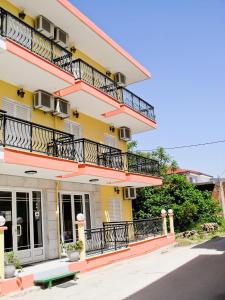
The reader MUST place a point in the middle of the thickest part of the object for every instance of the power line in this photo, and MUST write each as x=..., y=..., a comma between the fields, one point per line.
x=188, y=146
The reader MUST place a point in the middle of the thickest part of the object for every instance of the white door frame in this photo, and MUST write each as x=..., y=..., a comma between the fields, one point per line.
x=72, y=210
x=22, y=253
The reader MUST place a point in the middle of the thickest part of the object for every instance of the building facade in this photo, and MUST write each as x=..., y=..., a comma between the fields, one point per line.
x=66, y=116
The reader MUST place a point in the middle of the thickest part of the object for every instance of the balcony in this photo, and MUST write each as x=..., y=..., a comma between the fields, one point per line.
x=20, y=134
x=85, y=72
x=39, y=54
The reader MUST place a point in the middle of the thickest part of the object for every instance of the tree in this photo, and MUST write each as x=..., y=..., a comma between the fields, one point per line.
x=191, y=206
x=166, y=162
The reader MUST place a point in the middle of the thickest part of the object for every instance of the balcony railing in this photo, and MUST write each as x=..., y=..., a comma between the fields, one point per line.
x=115, y=235
x=13, y=28
x=30, y=136
x=85, y=72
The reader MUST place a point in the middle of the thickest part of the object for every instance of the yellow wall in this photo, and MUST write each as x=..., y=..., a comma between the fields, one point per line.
x=91, y=128
x=107, y=193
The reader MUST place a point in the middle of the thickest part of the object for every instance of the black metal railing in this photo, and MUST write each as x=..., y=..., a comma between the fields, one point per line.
x=101, y=240
x=85, y=72
x=138, y=230
x=17, y=133
x=30, y=136
x=116, y=235
x=15, y=29
x=135, y=102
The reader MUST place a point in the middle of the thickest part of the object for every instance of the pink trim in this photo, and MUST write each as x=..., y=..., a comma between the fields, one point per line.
x=3, y=228
x=124, y=109
x=85, y=169
x=38, y=61
x=73, y=10
x=83, y=86
x=12, y=156
x=15, y=284
x=131, y=177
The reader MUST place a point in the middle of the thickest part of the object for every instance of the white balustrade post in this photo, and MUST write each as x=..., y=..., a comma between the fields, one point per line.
x=164, y=223
x=170, y=214
x=81, y=234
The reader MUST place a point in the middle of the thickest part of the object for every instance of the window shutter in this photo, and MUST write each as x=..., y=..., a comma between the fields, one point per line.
x=115, y=210
x=110, y=140
x=73, y=128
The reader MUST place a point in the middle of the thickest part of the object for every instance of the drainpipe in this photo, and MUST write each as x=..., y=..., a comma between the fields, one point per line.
x=58, y=218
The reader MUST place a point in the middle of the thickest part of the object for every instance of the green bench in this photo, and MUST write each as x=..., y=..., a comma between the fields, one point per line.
x=48, y=280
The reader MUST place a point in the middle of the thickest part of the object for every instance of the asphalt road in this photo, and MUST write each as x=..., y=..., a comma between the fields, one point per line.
x=202, y=278
x=174, y=273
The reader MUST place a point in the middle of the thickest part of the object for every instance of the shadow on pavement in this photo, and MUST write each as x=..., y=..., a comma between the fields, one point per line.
x=216, y=243
x=202, y=278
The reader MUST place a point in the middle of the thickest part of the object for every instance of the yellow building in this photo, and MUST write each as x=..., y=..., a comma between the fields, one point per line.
x=66, y=116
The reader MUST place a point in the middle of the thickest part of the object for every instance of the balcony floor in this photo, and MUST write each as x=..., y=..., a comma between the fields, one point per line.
x=23, y=68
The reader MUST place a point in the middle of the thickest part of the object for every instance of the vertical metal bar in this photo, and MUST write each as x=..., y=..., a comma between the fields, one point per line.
x=79, y=68
x=93, y=79
x=83, y=146
x=101, y=234
x=31, y=136
x=114, y=234
x=55, y=150
x=97, y=160
x=4, y=129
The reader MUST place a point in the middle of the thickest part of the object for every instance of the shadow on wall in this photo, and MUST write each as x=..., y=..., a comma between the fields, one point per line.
x=203, y=278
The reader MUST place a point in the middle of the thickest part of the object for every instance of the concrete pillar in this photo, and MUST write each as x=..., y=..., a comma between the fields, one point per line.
x=164, y=224
x=170, y=214
x=2, y=251
x=81, y=234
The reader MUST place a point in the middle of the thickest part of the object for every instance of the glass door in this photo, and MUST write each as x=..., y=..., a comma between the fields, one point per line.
x=71, y=205
x=23, y=213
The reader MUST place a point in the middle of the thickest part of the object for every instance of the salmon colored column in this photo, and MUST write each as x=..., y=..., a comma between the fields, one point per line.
x=2, y=270
x=164, y=223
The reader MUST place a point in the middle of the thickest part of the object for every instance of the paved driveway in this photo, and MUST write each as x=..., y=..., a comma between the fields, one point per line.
x=172, y=273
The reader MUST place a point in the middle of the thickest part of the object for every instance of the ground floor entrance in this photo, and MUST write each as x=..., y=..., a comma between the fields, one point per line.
x=22, y=210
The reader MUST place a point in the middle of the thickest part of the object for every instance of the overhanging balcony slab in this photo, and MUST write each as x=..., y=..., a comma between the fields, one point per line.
x=126, y=116
x=88, y=100
x=23, y=68
x=16, y=162
x=87, y=37
x=99, y=175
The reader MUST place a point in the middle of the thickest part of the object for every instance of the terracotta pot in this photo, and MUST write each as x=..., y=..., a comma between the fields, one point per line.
x=73, y=255
x=10, y=271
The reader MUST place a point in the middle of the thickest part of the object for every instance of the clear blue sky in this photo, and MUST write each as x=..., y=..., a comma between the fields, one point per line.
x=182, y=43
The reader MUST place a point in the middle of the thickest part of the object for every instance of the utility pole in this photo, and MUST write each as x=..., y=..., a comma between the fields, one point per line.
x=221, y=192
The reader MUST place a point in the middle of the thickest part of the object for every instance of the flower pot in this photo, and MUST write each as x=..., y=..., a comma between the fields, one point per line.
x=10, y=271
x=73, y=255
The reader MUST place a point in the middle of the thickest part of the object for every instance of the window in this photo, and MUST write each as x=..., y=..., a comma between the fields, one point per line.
x=73, y=128
x=111, y=141
x=16, y=109
x=115, y=210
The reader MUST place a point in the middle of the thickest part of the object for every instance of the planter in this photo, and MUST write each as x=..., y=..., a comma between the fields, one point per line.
x=73, y=255
x=10, y=271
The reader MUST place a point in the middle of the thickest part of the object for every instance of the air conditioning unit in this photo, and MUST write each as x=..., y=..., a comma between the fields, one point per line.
x=43, y=101
x=62, y=108
x=129, y=192
x=120, y=79
x=45, y=26
x=61, y=37
x=125, y=133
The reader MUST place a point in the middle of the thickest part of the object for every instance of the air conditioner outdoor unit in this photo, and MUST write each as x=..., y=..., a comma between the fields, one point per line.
x=125, y=134
x=45, y=26
x=62, y=108
x=120, y=79
x=61, y=37
x=129, y=192
x=43, y=101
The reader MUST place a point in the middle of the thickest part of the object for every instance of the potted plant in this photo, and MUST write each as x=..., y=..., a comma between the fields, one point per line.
x=11, y=264
x=73, y=250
